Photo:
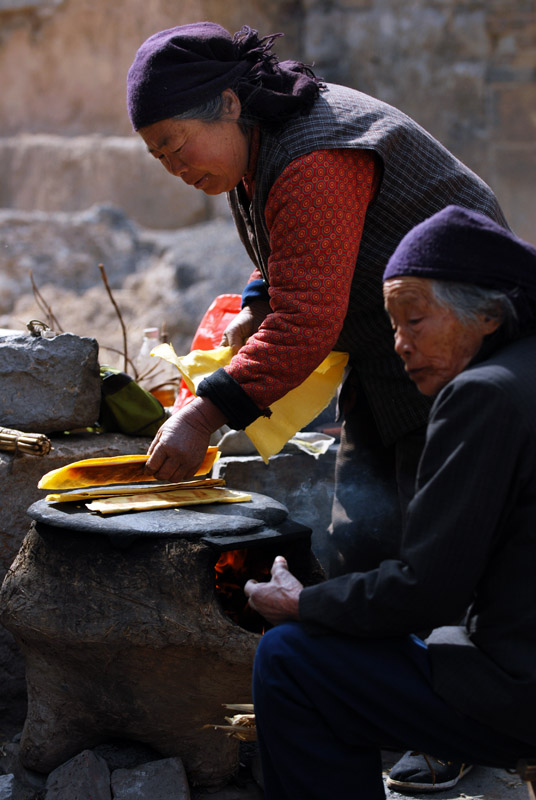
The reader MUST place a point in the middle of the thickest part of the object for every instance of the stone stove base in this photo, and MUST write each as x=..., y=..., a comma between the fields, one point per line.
x=132, y=642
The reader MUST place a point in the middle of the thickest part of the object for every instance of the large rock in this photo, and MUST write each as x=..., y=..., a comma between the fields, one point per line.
x=84, y=777
x=157, y=780
x=49, y=385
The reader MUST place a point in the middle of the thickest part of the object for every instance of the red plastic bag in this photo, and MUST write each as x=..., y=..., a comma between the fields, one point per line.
x=208, y=335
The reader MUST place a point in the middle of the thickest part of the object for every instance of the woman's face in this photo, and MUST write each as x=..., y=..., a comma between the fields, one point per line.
x=433, y=343
x=212, y=156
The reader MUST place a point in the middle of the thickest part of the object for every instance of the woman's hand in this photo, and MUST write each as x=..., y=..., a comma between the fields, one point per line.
x=245, y=324
x=178, y=449
x=278, y=600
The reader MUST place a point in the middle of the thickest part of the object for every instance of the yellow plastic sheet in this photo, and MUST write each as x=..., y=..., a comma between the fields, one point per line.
x=289, y=414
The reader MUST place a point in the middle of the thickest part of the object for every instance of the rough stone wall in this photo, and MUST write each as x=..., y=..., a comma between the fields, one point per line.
x=465, y=69
x=64, y=62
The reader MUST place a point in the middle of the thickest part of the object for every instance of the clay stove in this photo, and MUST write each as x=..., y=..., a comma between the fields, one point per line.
x=126, y=635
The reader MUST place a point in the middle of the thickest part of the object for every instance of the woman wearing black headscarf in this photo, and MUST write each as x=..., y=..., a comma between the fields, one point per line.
x=323, y=182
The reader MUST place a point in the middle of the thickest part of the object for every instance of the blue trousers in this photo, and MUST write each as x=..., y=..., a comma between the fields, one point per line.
x=327, y=705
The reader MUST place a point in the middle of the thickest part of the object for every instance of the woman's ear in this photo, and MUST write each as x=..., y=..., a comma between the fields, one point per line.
x=231, y=104
x=490, y=324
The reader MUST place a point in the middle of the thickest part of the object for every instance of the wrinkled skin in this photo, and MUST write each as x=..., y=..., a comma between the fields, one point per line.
x=211, y=156
x=178, y=449
x=434, y=344
x=276, y=600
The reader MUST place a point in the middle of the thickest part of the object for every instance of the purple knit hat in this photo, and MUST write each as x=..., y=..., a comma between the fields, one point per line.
x=183, y=67
x=461, y=245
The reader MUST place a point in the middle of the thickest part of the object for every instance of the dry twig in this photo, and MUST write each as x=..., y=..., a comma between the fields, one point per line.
x=119, y=315
x=52, y=320
x=240, y=726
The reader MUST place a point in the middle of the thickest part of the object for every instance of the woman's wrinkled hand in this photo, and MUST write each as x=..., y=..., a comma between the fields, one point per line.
x=178, y=449
x=245, y=324
x=278, y=600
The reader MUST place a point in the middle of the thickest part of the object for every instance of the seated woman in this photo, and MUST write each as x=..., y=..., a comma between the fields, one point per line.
x=341, y=675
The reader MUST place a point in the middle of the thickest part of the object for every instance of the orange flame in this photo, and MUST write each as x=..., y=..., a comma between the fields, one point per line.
x=231, y=572
x=231, y=559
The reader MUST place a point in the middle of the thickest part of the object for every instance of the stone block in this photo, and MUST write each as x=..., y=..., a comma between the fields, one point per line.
x=13, y=703
x=157, y=780
x=84, y=777
x=49, y=385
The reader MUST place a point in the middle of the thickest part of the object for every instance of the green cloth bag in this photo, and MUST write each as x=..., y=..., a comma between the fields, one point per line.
x=127, y=407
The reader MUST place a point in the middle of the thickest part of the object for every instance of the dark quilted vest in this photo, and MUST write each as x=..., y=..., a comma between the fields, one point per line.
x=419, y=178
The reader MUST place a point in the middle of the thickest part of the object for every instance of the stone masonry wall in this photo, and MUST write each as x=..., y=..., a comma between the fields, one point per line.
x=465, y=69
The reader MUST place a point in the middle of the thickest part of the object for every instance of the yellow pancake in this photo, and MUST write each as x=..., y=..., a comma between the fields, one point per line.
x=173, y=499
x=105, y=471
x=116, y=491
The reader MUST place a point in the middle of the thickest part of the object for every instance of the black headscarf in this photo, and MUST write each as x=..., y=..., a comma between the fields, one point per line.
x=183, y=67
x=464, y=246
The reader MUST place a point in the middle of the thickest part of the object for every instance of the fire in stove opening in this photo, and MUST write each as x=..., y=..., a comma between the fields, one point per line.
x=232, y=570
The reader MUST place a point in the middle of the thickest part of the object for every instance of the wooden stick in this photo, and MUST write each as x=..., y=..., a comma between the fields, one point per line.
x=119, y=315
x=44, y=306
x=14, y=441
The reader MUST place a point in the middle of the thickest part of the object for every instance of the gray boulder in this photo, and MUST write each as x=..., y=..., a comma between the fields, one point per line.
x=84, y=777
x=49, y=385
x=158, y=780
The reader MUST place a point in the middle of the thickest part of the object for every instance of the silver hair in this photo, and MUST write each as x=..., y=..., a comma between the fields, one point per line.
x=210, y=111
x=213, y=111
x=470, y=302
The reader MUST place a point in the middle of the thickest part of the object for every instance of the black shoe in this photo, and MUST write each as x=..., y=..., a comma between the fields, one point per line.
x=417, y=772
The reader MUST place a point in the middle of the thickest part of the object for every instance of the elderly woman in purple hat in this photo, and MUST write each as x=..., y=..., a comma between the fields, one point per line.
x=341, y=674
x=323, y=182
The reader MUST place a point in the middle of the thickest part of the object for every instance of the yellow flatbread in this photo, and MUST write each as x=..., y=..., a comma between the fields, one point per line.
x=105, y=471
x=173, y=499
x=117, y=491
